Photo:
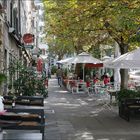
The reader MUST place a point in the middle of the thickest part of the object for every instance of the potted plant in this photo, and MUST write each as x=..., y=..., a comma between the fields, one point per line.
x=27, y=82
x=2, y=78
x=125, y=99
x=126, y=94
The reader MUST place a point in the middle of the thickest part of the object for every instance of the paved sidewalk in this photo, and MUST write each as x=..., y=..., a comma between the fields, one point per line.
x=80, y=117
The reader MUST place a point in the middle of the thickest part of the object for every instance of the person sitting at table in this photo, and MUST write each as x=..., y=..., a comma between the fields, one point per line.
x=106, y=80
x=95, y=79
x=87, y=81
x=79, y=80
x=102, y=77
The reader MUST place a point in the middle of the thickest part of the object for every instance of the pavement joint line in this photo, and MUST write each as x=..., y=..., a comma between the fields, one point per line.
x=50, y=111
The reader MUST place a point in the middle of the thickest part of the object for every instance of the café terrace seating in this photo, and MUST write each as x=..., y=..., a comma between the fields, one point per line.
x=77, y=86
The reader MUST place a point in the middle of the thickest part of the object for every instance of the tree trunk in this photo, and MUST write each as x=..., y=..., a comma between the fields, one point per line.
x=124, y=78
x=124, y=72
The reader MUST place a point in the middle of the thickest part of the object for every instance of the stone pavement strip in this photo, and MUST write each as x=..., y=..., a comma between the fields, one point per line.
x=82, y=117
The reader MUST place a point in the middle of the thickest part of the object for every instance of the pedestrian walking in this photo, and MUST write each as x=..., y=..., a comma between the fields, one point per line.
x=49, y=73
x=59, y=74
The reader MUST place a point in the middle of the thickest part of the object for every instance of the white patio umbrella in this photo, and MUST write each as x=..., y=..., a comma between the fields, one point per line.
x=85, y=58
x=108, y=64
x=117, y=76
x=65, y=61
x=127, y=60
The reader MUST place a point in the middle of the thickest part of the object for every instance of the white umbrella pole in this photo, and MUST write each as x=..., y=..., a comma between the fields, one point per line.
x=83, y=72
x=117, y=78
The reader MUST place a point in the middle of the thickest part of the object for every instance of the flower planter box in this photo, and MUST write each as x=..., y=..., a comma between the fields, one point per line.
x=129, y=107
x=129, y=103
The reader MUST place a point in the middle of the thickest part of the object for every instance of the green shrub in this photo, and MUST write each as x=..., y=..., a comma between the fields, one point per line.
x=28, y=82
x=125, y=93
x=53, y=70
x=2, y=78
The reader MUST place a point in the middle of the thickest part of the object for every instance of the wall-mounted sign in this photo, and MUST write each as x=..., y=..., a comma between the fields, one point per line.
x=28, y=46
x=28, y=38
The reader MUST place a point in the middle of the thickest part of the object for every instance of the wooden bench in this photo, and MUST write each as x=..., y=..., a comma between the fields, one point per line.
x=128, y=107
x=25, y=100
x=23, y=119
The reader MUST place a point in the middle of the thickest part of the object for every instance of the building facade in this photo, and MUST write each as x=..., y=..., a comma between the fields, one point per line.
x=16, y=20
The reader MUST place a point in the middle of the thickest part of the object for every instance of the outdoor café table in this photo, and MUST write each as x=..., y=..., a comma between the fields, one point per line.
x=98, y=87
x=112, y=92
x=70, y=83
x=137, y=87
x=81, y=87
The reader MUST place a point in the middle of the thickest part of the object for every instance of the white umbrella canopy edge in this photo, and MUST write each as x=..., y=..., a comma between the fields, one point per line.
x=107, y=63
x=65, y=61
x=125, y=61
x=133, y=55
x=85, y=58
x=125, y=64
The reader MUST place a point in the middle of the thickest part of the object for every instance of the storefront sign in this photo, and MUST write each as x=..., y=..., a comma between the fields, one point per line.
x=28, y=38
